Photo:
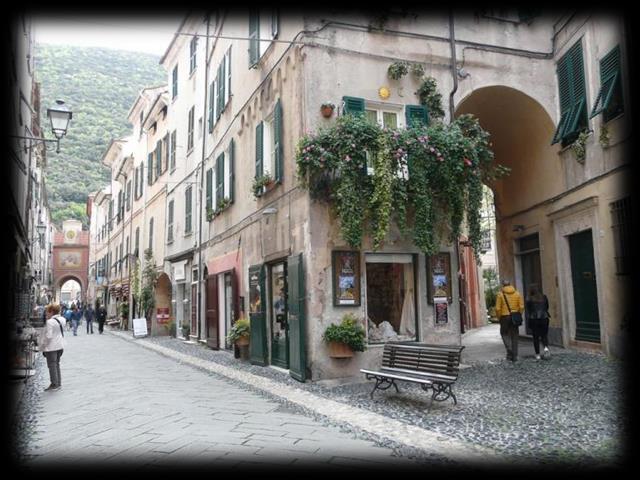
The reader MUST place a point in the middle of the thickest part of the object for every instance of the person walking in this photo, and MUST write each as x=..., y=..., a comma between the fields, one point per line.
x=537, y=310
x=76, y=317
x=88, y=315
x=68, y=313
x=51, y=343
x=509, y=300
x=101, y=314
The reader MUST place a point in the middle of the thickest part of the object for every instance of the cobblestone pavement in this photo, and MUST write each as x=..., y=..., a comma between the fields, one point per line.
x=567, y=411
x=125, y=406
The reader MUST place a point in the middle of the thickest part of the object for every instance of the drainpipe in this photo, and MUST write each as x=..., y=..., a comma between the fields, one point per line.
x=200, y=184
x=454, y=75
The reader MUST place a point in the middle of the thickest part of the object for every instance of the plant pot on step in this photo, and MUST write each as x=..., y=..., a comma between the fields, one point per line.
x=340, y=350
x=242, y=341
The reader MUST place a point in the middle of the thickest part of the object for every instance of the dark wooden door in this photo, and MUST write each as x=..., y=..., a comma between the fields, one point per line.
x=585, y=291
x=212, y=312
x=296, y=306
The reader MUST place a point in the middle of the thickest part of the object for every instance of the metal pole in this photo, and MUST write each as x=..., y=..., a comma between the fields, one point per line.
x=204, y=143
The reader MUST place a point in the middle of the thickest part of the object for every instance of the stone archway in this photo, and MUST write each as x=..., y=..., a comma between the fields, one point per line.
x=71, y=256
x=58, y=293
x=521, y=132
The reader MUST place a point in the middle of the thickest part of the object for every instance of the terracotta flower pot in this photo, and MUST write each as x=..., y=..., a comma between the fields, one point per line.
x=242, y=341
x=340, y=350
x=326, y=111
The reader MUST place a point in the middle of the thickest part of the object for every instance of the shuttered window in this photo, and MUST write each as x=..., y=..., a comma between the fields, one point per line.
x=571, y=86
x=175, y=82
x=151, y=234
x=254, y=35
x=136, y=251
x=128, y=198
x=228, y=76
x=135, y=183
x=259, y=149
x=275, y=23
x=158, y=159
x=150, y=169
x=170, y=222
x=209, y=189
x=187, y=210
x=609, y=99
x=352, y=105
x=277, y=141
x=173, y=150
x=416, y=115
x=165, y=152
x=191, y=125
x=621, y=226
x=211, y=87
x=141, y=177
x=232, y=167
x=193, y=48
x=219, y=179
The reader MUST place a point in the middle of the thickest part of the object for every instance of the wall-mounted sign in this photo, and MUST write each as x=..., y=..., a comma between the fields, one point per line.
x=69, y=259
x=439, y=276
x=346, y=278
x=162, y=315
x=441, y=310
x=178, y=271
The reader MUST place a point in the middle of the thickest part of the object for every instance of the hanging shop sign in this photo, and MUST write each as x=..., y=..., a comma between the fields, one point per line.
x=441, y=310
x=439, y=276
x=346, y=278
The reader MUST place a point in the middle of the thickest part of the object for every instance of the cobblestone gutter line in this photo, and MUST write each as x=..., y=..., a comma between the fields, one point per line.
x=370, y=422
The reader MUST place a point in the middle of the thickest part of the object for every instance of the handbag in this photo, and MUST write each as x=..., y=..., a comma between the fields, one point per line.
x=516, y=317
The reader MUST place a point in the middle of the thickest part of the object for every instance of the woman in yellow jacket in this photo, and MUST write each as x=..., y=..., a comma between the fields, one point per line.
x=508, y=331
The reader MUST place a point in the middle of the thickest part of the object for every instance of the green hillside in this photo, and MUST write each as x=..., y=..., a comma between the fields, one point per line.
x=99, y=85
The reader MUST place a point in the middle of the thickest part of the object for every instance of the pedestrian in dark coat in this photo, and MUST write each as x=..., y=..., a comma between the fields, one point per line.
x=102, y=317
x=537, y=311
x=88, y=315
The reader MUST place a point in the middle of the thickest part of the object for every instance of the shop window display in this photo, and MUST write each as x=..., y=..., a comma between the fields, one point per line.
x=391, y=311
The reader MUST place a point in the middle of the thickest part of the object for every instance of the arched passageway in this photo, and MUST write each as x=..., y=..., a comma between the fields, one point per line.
x=521, y=131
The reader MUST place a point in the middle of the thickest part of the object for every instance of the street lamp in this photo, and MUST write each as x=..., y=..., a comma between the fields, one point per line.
x=40, y=228
x=59, y=117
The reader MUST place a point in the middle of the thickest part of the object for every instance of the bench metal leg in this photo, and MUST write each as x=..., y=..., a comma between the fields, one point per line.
x=383, y=384
x=441, y=392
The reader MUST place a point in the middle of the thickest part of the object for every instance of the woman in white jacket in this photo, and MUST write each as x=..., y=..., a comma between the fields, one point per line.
x=52, y=344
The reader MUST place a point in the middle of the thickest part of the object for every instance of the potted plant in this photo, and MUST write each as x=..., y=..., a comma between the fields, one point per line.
x=224, y=203
x=345, y=338
x=239, y=332
x=327, y=109
x=259, y=183
x=186, y=330
x=210, y=214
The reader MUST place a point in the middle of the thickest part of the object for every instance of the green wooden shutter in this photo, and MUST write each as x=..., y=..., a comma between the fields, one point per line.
x=158, y=159
x=257, y=315
x=415, y=115
x=259, y=149
x=223, y=82
x=150, y=169
x=209, y=190
x=275, y=23
x=609, y=80
x=229, y=74
x=219, y=98
x=277, y=123
x=135, y=183
x=173, y=150
x=211, y=107
x=232, y=168
x=219, y=178
x=254, y=35
x=572, y=92
x=187, y=210
x=296, y=306
x=353, y=105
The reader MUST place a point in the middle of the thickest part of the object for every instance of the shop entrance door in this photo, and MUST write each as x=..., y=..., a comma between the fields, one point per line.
x=585, y=291
x=278, y=315
x=529, y=252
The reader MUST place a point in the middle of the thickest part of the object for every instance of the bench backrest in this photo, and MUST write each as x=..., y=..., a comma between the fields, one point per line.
x=435, y=359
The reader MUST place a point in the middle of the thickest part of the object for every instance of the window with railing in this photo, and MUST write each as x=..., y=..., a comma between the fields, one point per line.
x=621, y=226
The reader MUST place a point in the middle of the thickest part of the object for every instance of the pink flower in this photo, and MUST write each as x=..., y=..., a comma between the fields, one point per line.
x=347, y=158
x=467, y=162
x=431, y=149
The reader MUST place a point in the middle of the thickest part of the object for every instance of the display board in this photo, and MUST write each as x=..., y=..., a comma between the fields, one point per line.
x=140, y=327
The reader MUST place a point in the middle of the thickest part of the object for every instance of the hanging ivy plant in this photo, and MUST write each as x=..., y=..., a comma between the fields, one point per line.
x=426, y=179
x=430, y=97
x=397, y=70
x=579, y=146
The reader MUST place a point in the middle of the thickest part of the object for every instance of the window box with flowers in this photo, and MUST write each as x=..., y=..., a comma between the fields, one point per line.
x=261, y=184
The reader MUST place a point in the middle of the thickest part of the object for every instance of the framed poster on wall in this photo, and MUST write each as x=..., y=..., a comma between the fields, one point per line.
x=441, y=310
x=439, y=276
x=346, y=278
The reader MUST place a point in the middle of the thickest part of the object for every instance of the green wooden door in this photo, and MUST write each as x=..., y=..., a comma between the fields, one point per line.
x=585, y=291
x=278, y=315
x=257, y=317
x=295, y=299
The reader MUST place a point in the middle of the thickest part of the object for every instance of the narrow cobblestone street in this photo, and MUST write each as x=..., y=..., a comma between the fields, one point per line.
x=141, y=403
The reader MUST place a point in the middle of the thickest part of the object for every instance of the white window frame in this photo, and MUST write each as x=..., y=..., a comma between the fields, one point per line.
x=264, y=19
x=226, y=190
x=381, y=108
x=268, y=145
x=227, y=79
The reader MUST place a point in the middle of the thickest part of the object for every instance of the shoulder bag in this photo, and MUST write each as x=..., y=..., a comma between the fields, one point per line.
x=516, y=317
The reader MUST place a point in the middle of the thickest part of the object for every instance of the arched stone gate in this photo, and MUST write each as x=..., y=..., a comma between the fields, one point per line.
x=71, y=257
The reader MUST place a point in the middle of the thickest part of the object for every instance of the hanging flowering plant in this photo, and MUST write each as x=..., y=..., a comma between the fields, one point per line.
x=426, y=179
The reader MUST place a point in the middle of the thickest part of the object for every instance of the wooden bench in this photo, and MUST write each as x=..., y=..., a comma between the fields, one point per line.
x=433, y=367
